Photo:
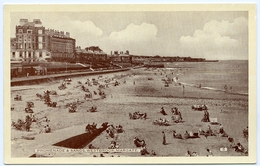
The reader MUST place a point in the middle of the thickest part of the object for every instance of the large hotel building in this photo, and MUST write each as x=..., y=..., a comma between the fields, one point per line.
x=33, y=42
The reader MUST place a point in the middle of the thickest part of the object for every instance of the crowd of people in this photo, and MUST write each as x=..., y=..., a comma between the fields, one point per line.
x=208, y=132
x=113, y=131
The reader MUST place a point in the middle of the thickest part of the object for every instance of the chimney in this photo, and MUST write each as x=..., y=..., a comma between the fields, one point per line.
x=67, y=34
x=23, y=21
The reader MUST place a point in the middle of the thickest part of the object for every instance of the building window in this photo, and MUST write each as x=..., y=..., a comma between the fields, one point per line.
x=39, y=31
x=13, y=54
x=40, y=46
x=39, y=39
x=21, y=54
x=29, y=55
x=20, y=31
x=29, y=31
x=40, y=54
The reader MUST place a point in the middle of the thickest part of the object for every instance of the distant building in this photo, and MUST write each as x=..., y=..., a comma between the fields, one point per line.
x=33, y=42
x=138, y=60
x=61, y=45
x=121, y=57
x=91, y=54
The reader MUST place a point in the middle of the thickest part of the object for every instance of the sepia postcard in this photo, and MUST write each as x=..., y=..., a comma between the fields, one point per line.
x=130, y=84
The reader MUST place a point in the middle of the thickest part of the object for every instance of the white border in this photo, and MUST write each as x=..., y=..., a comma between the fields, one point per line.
x=132, y=2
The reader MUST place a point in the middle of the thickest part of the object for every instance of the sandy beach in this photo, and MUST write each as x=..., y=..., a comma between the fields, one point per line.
x=139, y=90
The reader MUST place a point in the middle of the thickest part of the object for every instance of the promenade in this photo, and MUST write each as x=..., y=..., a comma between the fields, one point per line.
x=22, y=80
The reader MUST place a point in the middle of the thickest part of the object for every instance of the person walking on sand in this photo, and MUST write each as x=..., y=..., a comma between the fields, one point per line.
x=164, y=138
x=179, y=113
x=209, y=153
x=207, y=113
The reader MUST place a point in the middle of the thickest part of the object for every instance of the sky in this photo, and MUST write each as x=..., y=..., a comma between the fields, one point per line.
x=217, y=35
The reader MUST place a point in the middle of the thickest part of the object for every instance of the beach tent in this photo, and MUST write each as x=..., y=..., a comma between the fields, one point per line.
x=38, y=70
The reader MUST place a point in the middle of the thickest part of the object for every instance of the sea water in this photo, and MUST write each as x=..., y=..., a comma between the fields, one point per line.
x=230, y=73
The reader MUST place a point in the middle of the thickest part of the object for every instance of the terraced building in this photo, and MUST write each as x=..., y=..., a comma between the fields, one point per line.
x=34, y=42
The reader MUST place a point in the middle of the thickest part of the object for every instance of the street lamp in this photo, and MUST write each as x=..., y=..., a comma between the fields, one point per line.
x=66, y=67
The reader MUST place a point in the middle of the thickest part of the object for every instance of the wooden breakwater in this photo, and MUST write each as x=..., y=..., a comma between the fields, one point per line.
x=80, y=141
